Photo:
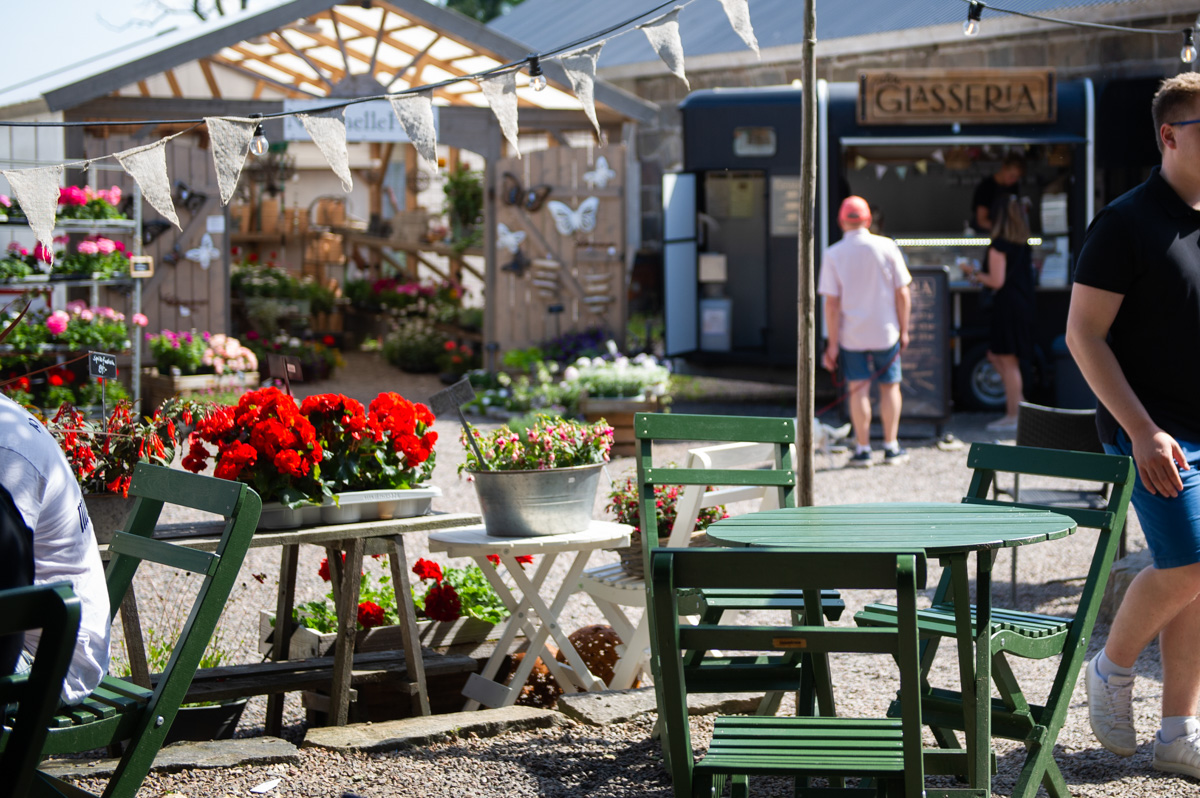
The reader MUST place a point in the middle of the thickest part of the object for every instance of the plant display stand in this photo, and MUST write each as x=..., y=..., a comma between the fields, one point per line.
x=619, y=415
x=158, y=387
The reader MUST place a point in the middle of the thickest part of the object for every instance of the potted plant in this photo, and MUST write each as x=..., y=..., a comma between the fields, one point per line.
x=188, y=363
x=454, y=606
x=538, y=475
x=615, y=387
x=102, y=454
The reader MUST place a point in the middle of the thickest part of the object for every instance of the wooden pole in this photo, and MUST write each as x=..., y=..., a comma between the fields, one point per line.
x=806, y=360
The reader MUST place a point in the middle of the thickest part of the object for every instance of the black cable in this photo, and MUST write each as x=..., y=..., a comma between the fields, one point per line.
x=1080, y=23
x=512, y=65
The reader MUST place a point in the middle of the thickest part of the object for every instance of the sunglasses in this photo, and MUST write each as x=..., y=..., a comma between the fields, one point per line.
x=1186, y=122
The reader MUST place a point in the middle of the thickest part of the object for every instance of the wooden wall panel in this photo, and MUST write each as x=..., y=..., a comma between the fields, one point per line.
x=589, y=281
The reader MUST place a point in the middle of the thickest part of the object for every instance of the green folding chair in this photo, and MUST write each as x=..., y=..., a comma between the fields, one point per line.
x=119, y=711
x=28, y=701
x=1025, y=634
x=886, y=752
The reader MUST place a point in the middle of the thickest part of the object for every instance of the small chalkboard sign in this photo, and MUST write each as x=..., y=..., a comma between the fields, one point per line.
x=103, y=365
x=141, y=266
x=925, y=386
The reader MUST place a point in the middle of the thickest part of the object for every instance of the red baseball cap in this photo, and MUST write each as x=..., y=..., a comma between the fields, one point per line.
x=855, y=209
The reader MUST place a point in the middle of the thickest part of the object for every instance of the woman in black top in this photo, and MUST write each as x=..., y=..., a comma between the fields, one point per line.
x=1009, y=273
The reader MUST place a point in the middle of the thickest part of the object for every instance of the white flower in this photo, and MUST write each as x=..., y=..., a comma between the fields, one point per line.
x=570, y=374
x=611, y=345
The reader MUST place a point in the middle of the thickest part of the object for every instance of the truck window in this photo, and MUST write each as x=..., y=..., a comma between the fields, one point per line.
x=754, y=142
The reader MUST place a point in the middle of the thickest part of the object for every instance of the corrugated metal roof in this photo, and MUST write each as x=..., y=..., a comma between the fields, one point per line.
x=545, y=24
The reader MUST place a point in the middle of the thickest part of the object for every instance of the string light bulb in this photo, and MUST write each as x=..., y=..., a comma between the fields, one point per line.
x=536, y=79
x=259, y=144
x=974, y=14
x=1188, y=54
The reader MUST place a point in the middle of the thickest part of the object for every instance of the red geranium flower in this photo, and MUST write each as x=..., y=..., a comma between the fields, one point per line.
x=370, y=614
x=323, y=568
x=427, y=569
x=442, y=603
x=494, y=559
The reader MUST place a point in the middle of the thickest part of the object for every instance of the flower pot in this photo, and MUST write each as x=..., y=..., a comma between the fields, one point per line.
x=306, y=643
x=521, y=504
x=370, y=505
x=157, y=386
x=108, y=513
x=619, y=415
x=207, y=721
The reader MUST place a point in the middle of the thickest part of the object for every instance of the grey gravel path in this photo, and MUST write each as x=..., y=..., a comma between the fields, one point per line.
x=620, y=760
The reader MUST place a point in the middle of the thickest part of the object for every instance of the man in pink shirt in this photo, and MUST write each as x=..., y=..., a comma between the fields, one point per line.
x=865, y=284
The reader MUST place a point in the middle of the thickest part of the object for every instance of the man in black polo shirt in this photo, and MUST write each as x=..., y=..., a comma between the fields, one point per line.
x=1134, y=329
x=993, y=189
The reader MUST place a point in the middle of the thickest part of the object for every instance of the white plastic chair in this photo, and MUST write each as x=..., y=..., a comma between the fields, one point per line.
x=613, y=588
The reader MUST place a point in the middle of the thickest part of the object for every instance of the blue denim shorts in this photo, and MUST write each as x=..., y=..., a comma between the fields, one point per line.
x=862, y=365
x=1171, y=525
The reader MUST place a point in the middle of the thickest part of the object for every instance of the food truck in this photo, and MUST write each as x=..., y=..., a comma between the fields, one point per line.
x=913, y=143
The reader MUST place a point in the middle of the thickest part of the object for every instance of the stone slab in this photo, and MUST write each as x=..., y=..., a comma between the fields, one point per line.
x=621, y=706
x=419, y=731
x=187, y=756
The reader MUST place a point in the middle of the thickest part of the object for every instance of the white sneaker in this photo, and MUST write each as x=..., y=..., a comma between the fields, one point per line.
x=1181, y=755
x=1110, y=710
x=1005, y=424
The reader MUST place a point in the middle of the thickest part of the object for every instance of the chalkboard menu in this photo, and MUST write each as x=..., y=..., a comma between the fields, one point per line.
x=925, y=385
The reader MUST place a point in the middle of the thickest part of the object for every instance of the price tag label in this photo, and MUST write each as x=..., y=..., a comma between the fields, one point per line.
x=102, y=365
x=285, y=367
x=141, y=266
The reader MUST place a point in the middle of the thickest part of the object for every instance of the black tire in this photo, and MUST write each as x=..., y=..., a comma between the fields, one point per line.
x=977, y=386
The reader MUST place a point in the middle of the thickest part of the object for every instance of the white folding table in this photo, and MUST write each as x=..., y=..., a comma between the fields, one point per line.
x=530, y=613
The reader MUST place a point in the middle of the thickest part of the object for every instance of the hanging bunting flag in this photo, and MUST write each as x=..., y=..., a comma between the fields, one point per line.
x=328, y=131
x=37, y=192
x=859, y=162
x=230, y=137
x=148, y=167
x=415, y=113
x=880, y=171
x=663, y=34
x=501, y=93
x=922, y=166
x=938, y=156
x=739, y=17
x=581, y=70
x=901, y=172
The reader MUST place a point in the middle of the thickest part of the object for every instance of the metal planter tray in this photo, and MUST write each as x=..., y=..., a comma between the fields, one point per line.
x=276, y=516
x=373, y=505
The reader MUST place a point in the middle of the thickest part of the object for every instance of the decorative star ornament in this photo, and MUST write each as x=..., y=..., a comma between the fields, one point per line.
x=204, y=254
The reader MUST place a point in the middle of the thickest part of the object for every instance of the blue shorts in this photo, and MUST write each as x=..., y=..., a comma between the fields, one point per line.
x=862, y=365
x=1171, y=525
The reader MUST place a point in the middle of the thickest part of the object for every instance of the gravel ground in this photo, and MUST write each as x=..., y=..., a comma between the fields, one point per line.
x=622, y=760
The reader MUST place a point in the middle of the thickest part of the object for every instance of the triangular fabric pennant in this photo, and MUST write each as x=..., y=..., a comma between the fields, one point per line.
x=860, y=162
x=880, y=171
x=501, y=94
x=230, y=137
x=415, y=114
x=663, y=34
x=148, y=167
x=938, y=156
x=901, y=172
x=739, y=17
x=581, y=71
x=328, y=131
x=37, y=192
x=922, y=166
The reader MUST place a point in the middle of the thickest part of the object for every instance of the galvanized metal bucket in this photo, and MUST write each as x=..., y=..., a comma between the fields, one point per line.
x=522, y=504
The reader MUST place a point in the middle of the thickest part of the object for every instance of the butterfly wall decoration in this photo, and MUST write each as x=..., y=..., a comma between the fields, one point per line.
x=509, y=239
x=512, y=193
x=600, y=175
x=570, y=220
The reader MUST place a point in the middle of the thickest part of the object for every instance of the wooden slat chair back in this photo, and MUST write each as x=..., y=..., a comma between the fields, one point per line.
x=118, y=710
x=1057, y=428
x=613, y=587
x=885, y=749
x=1026, y=634
x=29, y=701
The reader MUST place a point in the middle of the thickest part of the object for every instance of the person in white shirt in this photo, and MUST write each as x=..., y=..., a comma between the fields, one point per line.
x=865, y=284
x=35, y=472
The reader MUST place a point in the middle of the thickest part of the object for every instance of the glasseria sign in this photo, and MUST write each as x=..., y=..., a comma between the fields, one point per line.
x=940, y=96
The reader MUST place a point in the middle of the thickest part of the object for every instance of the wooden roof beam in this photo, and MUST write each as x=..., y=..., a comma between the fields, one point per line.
x=312, y=63
x=209, y=78
x=290, y=91
x=291, y=73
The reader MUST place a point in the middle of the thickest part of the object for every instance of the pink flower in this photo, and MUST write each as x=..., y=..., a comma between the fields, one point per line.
x=57, y=322
x=41, y=253
x=140, y=319
x=5, y=201
x=106, y=246
x=86, y=315
x=72, y=195
x=88, y=248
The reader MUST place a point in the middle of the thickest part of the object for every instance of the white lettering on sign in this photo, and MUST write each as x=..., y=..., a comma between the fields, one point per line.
x=369, y=121
x=101, y=365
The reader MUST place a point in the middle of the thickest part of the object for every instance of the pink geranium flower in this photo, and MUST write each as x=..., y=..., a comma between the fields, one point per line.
x=72, y=195
x=88, y=248
x=105, y=245
x=140, y=319
x=5, y=201
x=42, y=253
x=57, y=322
